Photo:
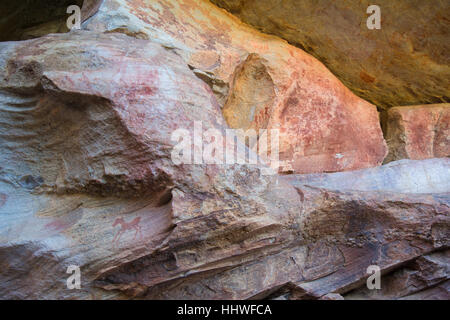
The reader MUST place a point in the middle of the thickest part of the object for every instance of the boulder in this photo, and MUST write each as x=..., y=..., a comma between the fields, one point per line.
x=88, y=179
x=402, y=63
x=261, y=82
x=91, y=177
x=418, y=132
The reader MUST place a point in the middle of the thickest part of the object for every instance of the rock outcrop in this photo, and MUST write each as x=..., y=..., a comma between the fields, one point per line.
x=112, y=161
x=425, y=278
x=418, y=132
x=88, y=179
x=406, y=62
x=404, y=176
x=261, y=81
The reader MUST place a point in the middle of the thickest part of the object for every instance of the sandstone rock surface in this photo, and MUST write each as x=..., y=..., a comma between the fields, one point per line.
x=261, y=81
x=404, y=176
x=87, y=179
x=406, y=62
x=418, y=132
x=339, y=235
x=88, y=176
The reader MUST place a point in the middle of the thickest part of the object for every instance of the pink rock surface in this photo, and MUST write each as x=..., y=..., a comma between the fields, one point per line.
x=87, y=179
x=87, y=176
x=418, y=132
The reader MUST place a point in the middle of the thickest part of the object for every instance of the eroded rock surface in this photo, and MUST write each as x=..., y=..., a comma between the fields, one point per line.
x=426, y=277
x=341, y=235
x=404, y=176
x=261, y=81
x=418, y=132
x=88, y=177
x=406, y=62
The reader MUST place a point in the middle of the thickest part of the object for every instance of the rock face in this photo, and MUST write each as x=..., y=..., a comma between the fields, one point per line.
x=418, y=132
x=404, y=176
x=367, y=202
x=94, y=125
x=88, y=179
x=261, y=82
x=403, y=63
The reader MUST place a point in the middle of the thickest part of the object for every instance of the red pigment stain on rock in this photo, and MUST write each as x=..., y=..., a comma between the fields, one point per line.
x=418, y=132
x=320, y=133
x=366, y=78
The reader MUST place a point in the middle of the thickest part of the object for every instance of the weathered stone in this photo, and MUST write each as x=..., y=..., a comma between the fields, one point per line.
x=439, y=292
x=332, y=296
x=35, y=18
x=261, y=81
x=339, y=236
x=404, y=176
x=351, y=230
x=87, y=177
x=422, y=274
x=403, y=63
x=418, y=132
